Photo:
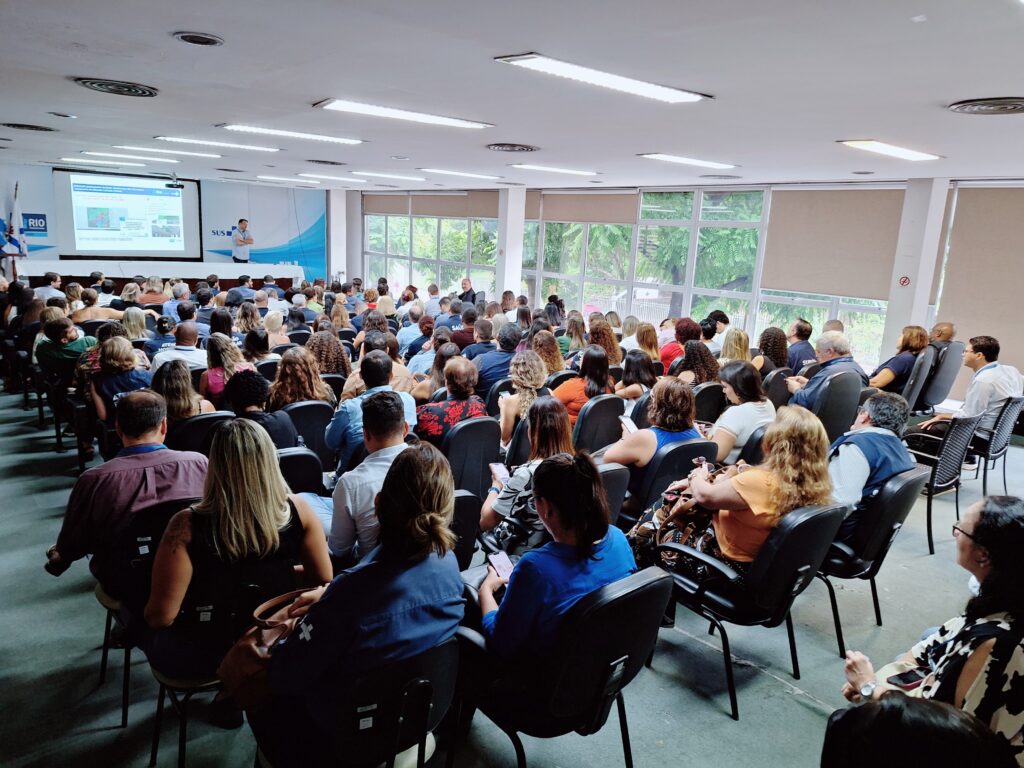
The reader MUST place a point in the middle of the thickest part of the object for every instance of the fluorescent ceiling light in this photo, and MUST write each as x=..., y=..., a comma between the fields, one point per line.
x=387, y=176
x=687, y=161
x=341, y=105
x=891, y=150
x=167, y=151
x=286, y=178
x=530, y=167
x=217, y=144
x=332, y=178
x=99, y=162
x=132, y=157
x=291, y=134
x=458, y=173
x=550, y=66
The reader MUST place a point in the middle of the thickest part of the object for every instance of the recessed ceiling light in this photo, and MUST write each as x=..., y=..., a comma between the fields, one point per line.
x=132, y=157
x=99, y=162
x=63, y=114
x=719, y=176
x=399, y=157
x=166, y=151
x=354, y=107
x=506, y=146
x=204, y=39
x=284, y=178
x=291, y=134
x=863, y=173
x=387, y=176
x=549, y=66
x=552, y=169
x=881, y=148
x=332, y=178
x=226, y=144
x=919, y=19
x=687, y=161
x=458, y=173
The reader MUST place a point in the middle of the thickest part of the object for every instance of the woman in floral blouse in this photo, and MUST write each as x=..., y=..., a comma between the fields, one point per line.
x=435, y=419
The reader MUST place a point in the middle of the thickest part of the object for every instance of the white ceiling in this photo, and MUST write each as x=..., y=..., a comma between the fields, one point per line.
x=790, y=78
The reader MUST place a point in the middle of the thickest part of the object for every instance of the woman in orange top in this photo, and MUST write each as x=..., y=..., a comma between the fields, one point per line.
x=592, y=381
x=752, y=500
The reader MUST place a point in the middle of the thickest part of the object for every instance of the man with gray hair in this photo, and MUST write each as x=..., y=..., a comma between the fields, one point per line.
x=299, y=301
x=180, y=292
x=863, y=459
x=410, y=332
x=832, y=350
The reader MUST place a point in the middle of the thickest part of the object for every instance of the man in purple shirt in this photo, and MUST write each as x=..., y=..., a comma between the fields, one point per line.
x=144, y=473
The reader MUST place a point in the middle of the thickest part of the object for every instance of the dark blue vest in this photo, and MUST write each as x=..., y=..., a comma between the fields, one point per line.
x=885, y=453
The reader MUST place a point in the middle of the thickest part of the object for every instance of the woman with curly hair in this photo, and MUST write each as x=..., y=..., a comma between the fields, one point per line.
x=602, y=335
x=298, y=379
x=546, y=346
x=329, y=354
x=774, y=350
x=528, y=373
x=699, y=364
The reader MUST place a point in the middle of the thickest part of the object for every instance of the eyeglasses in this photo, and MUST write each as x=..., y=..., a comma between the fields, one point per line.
x=958, y=530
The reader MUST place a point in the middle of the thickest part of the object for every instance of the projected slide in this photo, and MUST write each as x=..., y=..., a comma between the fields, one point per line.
x=114, y=213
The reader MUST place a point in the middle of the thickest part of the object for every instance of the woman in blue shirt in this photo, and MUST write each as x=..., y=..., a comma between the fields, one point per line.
x=587, y=553
x=892, y=375
x=118, y=375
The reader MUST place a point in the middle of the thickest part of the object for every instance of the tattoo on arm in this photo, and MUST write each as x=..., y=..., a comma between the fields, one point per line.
x=178, y=532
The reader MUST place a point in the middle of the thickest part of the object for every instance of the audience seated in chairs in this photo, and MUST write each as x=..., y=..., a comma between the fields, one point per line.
x=407, y=589
x=512, y=499
x=493, y=366
x=892, y=375
x=832, y=350
x=118, y=374
x=774, y=350
x=434, y=420
x=592, y=381
x=483, y=339
x=345, y=432
x=638, y=377
x=685, y=329
x=528, y=374
x=546, y=346
x=974, y=660
x=247, y=531
x=104, y=498
x=601, y=335
x=58, y=354
x=186, y=336
x=163, y=337
x=862, y=460
x=423, y=389
x=750, y=409
x=699, y=365
x=329, y=354
x=134, y=322
x=223, y=360
x=272, y=324
x=174, y=382
x=246, y=393
x=424, y=329
x=298, y=379
x=423, y=361
x=374, y=321
x=801, y=352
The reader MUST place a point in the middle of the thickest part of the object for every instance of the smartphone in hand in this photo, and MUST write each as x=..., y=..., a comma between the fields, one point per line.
x=501, y=564
x=499, y=471
x=628, y=424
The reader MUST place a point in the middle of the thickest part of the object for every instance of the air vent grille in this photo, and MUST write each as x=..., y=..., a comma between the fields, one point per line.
x=1004, y=105
x=507, y=147
x=116, y=87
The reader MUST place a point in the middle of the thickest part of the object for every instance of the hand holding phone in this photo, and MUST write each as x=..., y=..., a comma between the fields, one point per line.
x=910, y=679
x=501, y=564
x=499, y=472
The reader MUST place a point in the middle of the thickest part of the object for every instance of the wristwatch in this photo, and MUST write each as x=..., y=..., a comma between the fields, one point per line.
x=867, y=689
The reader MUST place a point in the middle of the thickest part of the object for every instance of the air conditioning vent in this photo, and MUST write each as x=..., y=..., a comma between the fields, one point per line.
x=326, y=162
x=1004, y=105
x=507, y=147
x=199, y=38
x=116, y=87
x=29, y=127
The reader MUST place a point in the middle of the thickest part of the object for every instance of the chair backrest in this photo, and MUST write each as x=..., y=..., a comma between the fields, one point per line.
x=598, y=424
x=280, y=349
x=470, y=447
x=675, y=366
x=336, y=381
x=809, y=370
x=193, y=434
x=883, y=515
x=518, y=451
x=709, y=399
x=947, y=366
x=302, y=470
x=791, y=556
x=672, y=463
x=158, y=308
x=91, y=326
x=659, y=368
x=923, y=364
x=775, y=386
x=299, y=337
x=640, y=416
x=268, y=369
x=393, y=325
x=197, y=374
x=494, y=394
x=350, y=348
x=865, y=393
x=139, y=343
x=347, y=334
x=559, y=332
x=615, y=371
x=615, y=479
x=952, y=452
x=1005, y=422
x=559, y=377
x=601, y=645
x=311, y=418
x=439, y=395
x=466, y=526
x=837, y=402
x=392, y=708
x=753, y=451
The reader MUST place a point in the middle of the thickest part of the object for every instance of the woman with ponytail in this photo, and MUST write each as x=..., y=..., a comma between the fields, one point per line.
x=403, y=598
x=587, y=553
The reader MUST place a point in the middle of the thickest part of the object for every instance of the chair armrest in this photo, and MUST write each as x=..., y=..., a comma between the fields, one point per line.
x=927, y=459
x=471, y=637
x=487, y=543
x=715, y=564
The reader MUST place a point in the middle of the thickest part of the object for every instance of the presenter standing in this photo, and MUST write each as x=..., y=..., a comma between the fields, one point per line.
x=242, y=241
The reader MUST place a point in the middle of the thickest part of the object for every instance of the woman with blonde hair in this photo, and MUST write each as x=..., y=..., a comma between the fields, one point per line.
x=130, y=295
x=238, y=545
x=273, y=321
x=118, y=373
x=370, y=296
x=528, y=373
x=248, y=318
x=629, y=325
x=892, y=375
x=73, y=291
x=298, y=379
x=386, y=306
x=546, y=346
x=339, y=316
x=612, y=317
x=223, y=360
x=602, y=335
x=173, y=380
x=134, y=322
x=154, y=293
x=575, y=332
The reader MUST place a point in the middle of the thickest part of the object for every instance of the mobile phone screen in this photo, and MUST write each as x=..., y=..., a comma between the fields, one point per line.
x=501, y=564
x=908, y=680
x=500, y=471
x=628, y=423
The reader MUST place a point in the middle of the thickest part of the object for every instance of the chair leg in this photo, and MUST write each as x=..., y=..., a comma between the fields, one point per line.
x=1005, y=456
x=518, y=744
x=956, y=501
x=931, y=542
x=730, y=682
x=835, y=615
x=126, y=684
x=42, y=414
x=106, y=647
x=182, y=728
x=624, y=728
x=157, y=722
x=984, y=478
x=711, y=629
x=792, y=645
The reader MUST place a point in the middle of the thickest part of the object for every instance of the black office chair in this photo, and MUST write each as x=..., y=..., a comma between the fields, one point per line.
x=998, y=443
x=615, y=478
x=518, y=451
x=924, y=362
x=558, y=378
x=675, y=366
x=466, y=526
x=494, y=394
x=347, y=334
x=709, y=401
x=877, y=525
x=659, y=367
x=336, y=381
x=837, y=403
x=615, y=371
x=775, y=386
x=641, y=411
x=280, y=349
x=197, y=375
x=471, y=446
x=598, y=423
x=350, y=348
x=311, y=418
x=785, y=565
x=92, y=326
x=945, y=455
x=601, y=646
x=299, y=338
x=302, y=470
x=195, y=434
x=268, y=369
x=809, y=370
x=559, y=332
x=753, y=450
x=948, y=362
x=439, y=395
x=867, y=392
x=672, y=462
x=139, y=343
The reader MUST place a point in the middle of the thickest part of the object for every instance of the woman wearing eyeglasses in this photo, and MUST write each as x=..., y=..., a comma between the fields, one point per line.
x=974, y=661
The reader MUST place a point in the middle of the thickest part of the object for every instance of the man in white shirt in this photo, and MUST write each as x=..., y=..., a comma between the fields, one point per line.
x=433, y=308
x=411, y=332
x=51, y=288
x=106, y=293
x=186, y=335
x=241, y=241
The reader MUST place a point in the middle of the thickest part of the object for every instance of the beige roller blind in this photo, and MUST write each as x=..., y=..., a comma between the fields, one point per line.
x=597, y=209
x=840, y=242
x=532, y=205
x=386, y=204
x=985, y=272
x=478, y=204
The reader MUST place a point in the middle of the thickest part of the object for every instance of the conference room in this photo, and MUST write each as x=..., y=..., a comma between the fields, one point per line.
x=490, y=385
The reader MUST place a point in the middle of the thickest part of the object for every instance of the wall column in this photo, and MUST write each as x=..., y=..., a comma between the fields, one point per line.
x=353, y=262
x=917, y=250
x=511, y=220
x=337, y=227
